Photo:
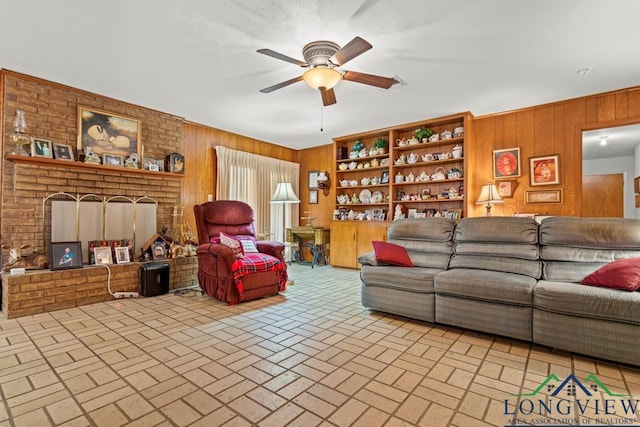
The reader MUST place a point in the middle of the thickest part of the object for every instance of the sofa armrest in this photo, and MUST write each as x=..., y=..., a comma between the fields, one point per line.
x=368, y=259
x=272, y=248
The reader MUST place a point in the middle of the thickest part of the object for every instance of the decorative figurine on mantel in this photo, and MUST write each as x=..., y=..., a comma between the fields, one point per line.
x=90, y=156
x=131, y=161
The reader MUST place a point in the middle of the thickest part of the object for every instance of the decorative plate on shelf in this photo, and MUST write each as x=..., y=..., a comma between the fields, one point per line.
x=377, y=197
x=365, y=196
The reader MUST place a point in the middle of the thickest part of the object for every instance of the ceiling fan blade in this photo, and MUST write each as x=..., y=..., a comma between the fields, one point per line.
x=369, y=79
x=355, y=47
x=282, y=57
x=281, y=85
x=328, y=97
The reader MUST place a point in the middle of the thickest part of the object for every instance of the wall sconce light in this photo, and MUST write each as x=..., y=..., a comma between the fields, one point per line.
x=489, y=195
x=324, y=183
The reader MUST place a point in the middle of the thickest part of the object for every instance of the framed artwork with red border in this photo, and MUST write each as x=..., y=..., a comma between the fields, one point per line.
x=544, y=170
x=506, y=163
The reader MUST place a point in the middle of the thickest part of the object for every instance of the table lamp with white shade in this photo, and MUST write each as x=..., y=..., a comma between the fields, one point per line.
x=489, y=196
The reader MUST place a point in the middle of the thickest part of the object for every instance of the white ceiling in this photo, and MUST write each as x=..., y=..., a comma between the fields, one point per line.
x=197, y=58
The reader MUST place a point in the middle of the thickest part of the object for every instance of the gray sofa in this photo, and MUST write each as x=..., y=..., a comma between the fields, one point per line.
x=514, y=277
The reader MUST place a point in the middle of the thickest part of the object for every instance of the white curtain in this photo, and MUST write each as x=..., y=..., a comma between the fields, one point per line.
x=252, y=179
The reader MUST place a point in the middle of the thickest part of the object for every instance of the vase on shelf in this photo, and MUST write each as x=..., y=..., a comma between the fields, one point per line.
x=19, y=137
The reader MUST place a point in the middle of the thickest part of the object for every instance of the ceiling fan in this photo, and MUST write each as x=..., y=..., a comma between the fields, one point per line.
x=322, y=59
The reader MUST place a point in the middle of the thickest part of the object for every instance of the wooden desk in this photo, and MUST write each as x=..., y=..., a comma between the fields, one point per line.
x=313, y=238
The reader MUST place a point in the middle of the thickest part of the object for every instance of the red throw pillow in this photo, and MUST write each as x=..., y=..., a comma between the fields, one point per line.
x=621, y=274
x=390, y=253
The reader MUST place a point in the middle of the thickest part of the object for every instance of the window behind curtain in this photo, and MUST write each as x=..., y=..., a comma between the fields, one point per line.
x=252, y=179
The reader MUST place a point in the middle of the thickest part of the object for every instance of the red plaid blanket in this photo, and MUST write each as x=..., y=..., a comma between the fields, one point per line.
x=255, y=262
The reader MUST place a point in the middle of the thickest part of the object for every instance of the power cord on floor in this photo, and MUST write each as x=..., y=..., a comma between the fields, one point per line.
x=118, y=295
x=195, y=290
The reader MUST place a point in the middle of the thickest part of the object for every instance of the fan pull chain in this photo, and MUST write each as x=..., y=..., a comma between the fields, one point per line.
x=322, y=119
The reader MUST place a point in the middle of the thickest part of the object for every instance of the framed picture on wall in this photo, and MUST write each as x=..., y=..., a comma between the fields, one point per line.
x=108, y=132
x=543, y=196
x=313, y=181
x=506, y=163
x=313, y=197
x=544, y=170
x=506, y=188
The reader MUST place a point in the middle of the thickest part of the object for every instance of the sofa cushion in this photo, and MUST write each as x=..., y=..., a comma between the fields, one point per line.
x=593, y=302
x=486, y=285
x=497, y=229
x=621, y=274
x=419, y=280
x=599, y=233
x=527, y=267
x=390, y=253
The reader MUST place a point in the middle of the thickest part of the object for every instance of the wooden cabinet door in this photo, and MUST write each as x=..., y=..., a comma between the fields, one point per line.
x=368, y=232
x=343, y=244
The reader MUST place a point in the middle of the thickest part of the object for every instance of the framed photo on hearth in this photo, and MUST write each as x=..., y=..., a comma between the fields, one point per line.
x=102, y=255
x=65, y=255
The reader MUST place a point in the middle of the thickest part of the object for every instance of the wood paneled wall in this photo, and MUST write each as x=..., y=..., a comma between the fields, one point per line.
x=317, y=159
x=200, y=161
x=548, y=129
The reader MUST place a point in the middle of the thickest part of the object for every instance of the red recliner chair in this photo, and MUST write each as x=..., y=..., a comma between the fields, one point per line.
x=223, y=276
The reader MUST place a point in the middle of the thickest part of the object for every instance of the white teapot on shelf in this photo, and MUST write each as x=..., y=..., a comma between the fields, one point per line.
x=457, y=151
x=401, y=160
x=413, y=157
x=423, y=177
x=410, y=177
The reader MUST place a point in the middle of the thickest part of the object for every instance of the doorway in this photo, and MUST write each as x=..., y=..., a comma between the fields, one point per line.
x=602, y=195
x=607, y=152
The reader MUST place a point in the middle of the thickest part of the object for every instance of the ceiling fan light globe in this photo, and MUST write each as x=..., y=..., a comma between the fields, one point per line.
x=325, y=78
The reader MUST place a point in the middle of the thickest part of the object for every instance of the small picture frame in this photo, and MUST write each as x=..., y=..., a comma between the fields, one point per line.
x=41, y=148
x=158, y=251
x=636, y=184
x=313, y=181
x=62, y=152
x=112, y=159
x=544, y=170
x=421, y=215
x=154, y=168
x=174, y=163
x=384, y=179
x=147, y=162
x=313, y=197
x=543, y=196
x=65, y=255
x=506, y=188
x=411, y=213
x=454, y=214
x=122, y=255
x=425, y=194
x=506, y=163
x=102, y=255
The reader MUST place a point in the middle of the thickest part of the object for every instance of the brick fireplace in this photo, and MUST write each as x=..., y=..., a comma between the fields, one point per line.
x=51, y=113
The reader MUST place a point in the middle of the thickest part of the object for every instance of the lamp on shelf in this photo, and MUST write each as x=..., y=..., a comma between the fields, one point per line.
x=489, y=196
x=324, y=183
